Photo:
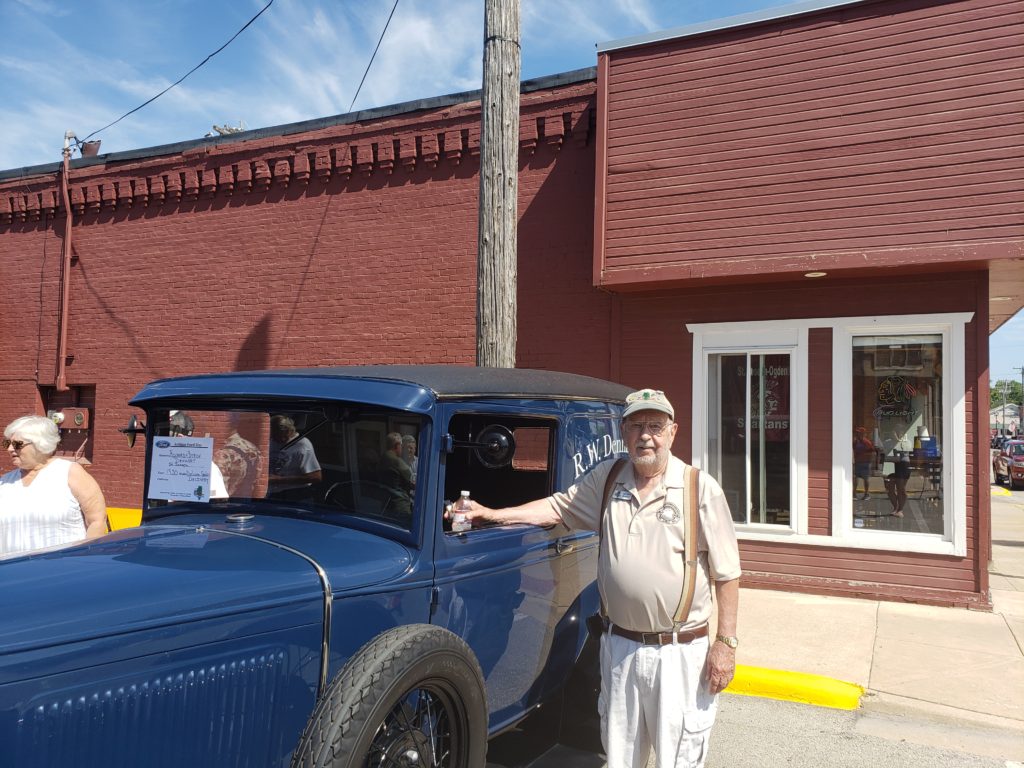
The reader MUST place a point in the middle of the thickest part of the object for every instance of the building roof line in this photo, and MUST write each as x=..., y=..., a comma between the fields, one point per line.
x=377, y=113
x=775, y=13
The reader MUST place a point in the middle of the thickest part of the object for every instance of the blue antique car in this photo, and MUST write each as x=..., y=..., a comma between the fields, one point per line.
x=295, y=595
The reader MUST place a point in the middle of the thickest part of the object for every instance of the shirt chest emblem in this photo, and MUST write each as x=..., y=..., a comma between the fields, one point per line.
x=669, y=514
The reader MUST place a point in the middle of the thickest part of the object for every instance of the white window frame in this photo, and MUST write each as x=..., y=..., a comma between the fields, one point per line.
x=791, y=335
x=769, y=337
x=953, y=539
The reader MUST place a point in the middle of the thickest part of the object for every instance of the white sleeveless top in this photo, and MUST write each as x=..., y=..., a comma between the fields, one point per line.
x=44, y=514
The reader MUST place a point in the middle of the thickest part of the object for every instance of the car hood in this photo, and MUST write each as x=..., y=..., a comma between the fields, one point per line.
x=173, y=574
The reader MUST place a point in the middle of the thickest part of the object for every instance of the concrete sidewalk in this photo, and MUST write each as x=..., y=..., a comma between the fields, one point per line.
x=945, y=663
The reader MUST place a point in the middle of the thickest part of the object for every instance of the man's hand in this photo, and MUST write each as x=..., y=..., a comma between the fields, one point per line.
x=721, y=662
x=538, y=512
x=720, y=666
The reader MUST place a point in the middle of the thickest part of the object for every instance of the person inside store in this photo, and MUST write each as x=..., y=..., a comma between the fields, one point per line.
x=45, y=501
x=899, y=463
x=863, y=456
x=660, y=672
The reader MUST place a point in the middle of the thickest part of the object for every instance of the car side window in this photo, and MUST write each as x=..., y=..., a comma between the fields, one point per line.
x=502, y=461
x=320, y=460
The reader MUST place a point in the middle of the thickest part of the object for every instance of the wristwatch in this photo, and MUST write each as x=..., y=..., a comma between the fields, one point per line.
x=729, y=640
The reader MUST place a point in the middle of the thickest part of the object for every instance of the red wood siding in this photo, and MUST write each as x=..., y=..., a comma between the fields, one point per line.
x=888, y=128
x=819, y=431
x=656, y=351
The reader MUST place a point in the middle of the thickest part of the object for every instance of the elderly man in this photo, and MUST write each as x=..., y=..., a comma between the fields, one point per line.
x=396, y=475
x=293, y=462
x=660, y=672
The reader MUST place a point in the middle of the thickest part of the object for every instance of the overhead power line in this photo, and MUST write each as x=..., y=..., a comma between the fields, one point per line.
x=370, y=62
x=182, y=78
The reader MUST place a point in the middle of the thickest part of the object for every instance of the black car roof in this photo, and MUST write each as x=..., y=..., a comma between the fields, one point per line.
x=452, y=381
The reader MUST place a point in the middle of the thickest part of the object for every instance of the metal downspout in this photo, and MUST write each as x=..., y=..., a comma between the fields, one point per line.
x=60, y=381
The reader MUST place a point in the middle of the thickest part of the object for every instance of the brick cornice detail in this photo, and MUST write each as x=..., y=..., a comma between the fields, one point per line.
x=551, y=120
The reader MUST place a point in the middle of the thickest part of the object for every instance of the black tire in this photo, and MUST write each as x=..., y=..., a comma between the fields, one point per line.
x=414, y=689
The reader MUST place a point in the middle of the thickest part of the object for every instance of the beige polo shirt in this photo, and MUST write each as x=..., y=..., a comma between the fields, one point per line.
x=640, y=573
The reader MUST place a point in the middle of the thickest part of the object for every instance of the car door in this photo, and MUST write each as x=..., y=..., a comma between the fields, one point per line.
x=504, y=589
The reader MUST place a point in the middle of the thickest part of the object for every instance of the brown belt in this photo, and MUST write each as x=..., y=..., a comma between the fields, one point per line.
x=660, y=638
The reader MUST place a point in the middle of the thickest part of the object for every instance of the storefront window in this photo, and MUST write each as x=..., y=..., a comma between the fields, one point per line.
x=749, y=434
x=898, y=433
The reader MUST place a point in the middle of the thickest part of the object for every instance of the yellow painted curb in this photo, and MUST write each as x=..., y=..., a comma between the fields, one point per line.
x=122, y=517
x=998, y=490
x=795, y=686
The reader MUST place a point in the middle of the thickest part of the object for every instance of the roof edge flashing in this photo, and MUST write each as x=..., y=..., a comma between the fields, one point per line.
x=315, y=124
x=775, y=13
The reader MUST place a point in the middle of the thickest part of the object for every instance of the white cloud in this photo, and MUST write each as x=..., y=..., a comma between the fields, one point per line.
x=316, y=61
x=638, y=11
x=302, y=59
x=44, y=7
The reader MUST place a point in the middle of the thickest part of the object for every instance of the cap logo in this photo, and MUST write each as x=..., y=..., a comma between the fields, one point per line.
x=645, y=395
x=648, y=399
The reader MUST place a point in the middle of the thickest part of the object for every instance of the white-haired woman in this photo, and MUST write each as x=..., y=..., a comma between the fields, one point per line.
x=45, y=501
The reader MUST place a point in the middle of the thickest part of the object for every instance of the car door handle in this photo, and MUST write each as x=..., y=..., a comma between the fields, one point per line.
x=562, y=546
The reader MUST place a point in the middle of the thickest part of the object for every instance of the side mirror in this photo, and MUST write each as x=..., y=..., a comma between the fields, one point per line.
x=135, y=427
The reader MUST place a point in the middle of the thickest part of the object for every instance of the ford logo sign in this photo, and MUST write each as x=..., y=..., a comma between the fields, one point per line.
x=162, y=443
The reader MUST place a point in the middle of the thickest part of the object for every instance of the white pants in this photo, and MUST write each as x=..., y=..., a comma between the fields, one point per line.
x=655, y=696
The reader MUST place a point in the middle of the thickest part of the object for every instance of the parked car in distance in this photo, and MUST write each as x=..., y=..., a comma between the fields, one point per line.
x=295, y=596
x=1008, y=463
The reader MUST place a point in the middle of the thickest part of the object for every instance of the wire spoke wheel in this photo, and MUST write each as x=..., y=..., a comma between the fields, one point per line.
x=422, y=729
x=411, y=698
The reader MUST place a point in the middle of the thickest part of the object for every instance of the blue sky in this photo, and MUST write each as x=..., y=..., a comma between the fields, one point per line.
x=1006, y=350
x=73, y=65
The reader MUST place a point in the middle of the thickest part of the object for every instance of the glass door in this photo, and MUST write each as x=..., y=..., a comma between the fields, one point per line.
x=749, y=434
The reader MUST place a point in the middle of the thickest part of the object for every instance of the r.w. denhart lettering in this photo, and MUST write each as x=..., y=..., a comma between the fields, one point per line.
x=595, y=452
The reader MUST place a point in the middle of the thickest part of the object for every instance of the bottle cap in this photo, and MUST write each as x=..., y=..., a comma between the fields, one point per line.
x=465, y=494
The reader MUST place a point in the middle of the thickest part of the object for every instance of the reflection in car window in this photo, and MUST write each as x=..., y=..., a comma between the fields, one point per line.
x=327, y=460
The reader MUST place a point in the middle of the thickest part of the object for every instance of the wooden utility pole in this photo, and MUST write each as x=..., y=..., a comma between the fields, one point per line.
x=499, y=187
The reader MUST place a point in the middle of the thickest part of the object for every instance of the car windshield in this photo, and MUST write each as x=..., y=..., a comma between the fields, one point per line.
x=326, y=459
x=1017, y=449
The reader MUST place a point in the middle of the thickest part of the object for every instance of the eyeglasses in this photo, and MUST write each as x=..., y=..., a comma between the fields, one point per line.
x=15, y=444
x=654, y=428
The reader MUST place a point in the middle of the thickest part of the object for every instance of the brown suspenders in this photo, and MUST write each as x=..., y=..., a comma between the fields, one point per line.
x=691, y=505
x=690, y=535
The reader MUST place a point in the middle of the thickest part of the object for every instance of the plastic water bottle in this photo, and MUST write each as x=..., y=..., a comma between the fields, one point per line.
x=460, y=522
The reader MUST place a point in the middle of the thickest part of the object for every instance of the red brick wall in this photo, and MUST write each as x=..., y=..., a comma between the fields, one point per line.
x=349, y=245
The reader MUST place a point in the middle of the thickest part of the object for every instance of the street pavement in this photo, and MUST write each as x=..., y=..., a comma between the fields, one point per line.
x=927, y=664
x=935, y=680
